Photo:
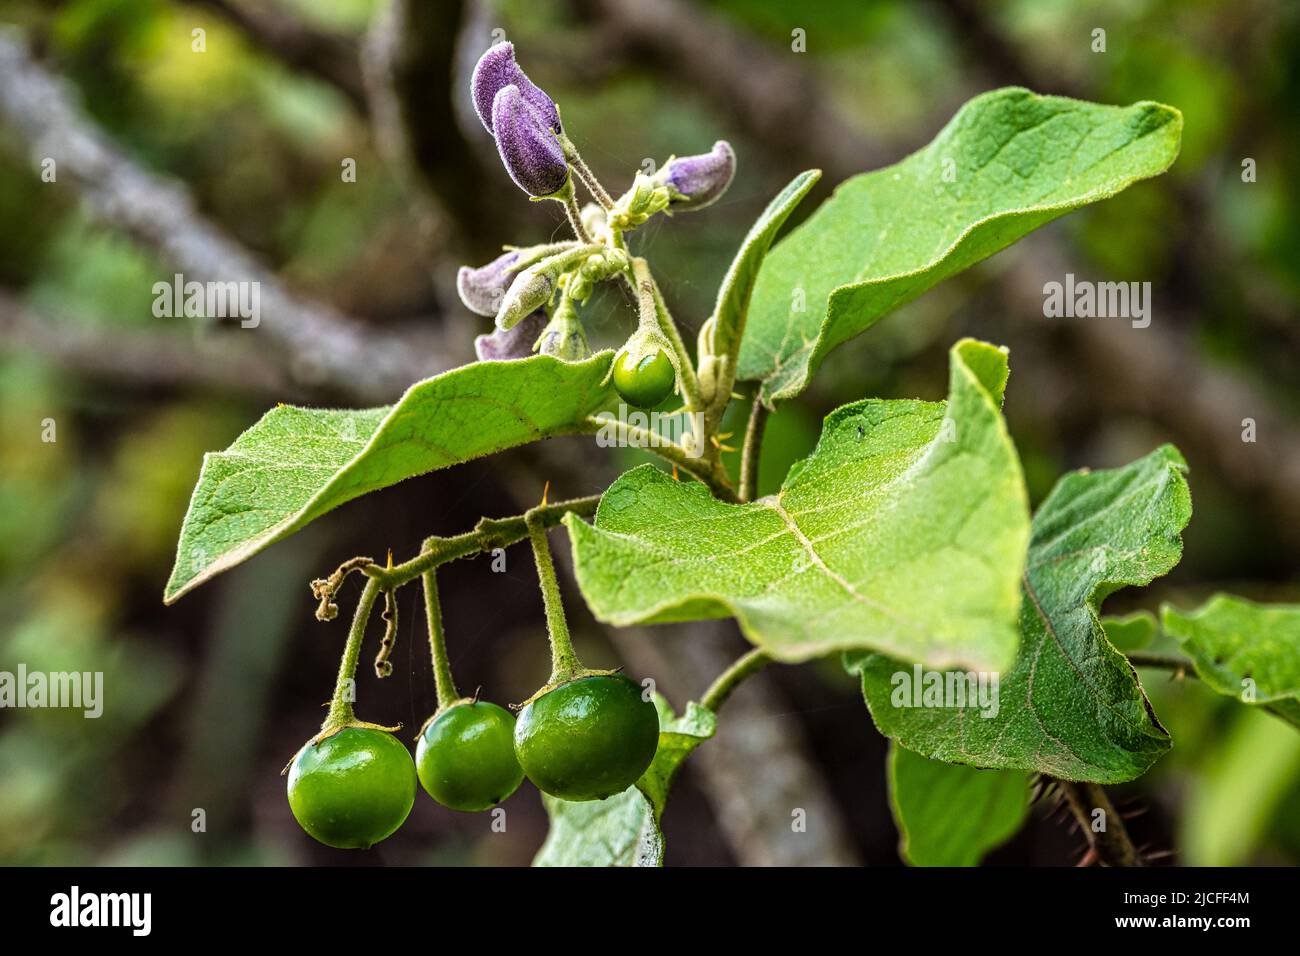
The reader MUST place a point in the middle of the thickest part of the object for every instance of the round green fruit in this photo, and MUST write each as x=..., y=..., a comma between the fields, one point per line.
x=588, y=739
x=466, y=756
x=644, y=383
x=352, y=789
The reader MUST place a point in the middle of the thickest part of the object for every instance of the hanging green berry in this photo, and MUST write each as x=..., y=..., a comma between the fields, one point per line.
x=644, y=380
x=466, y=756
x=353, y=788
x=589, y=738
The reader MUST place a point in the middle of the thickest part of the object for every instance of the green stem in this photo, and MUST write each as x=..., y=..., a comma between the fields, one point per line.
x=568, y=199
x=753, y=447
x=488, y=534
x=341, y=710
x=585, y=174
x=708, y=470
x=1170, y=662
x=743, y=668
x=444, y=684
x=564, y=660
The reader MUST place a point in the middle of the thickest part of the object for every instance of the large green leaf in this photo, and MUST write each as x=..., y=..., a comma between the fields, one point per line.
x=1072, y=706
x=623, y=830
x=904, y=531
x=728, y=319
x=298, y=463
x=1007, y=163
x=1244, y=650
x=949, y=814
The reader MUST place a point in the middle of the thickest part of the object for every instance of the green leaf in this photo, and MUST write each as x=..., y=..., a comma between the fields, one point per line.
x=298, y=463
x=905, y=531
x=1244, y=650
x=951, y=815
x=623, y=830
x=1072, y=706
x=1132, y=632
x=738, y=284
x=1007, y=163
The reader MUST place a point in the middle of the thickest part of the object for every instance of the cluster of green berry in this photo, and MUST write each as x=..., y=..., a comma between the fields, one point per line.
x=586, y=735
x=586, y=739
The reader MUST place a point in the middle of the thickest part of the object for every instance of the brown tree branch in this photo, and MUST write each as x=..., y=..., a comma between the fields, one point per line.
x=325, y=348
x=150, y=359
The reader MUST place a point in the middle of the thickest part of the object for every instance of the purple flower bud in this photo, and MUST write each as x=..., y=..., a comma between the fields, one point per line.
x=513, y=343
x=697, y=181
x=497, y=69
x=482, y=289
x=530, y=151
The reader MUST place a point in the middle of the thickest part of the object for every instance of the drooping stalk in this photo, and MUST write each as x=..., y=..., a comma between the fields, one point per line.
x=341, y=710
x=444, y=683
x=744, y=667
x=568, y=199
x=579, y=166
x=564, y=660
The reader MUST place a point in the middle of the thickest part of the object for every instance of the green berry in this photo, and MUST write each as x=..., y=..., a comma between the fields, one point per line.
x=588, y=739
x=352, y=789
x=466, y=756
x=645, y=382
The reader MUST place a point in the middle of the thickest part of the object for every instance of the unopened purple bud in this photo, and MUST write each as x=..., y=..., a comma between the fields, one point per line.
x=513, y=343
x=497, y=69
x=482, y=289
x=697, y=181
x=531, y=153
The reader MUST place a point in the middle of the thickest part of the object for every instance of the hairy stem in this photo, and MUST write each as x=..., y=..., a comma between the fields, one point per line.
x=570, y=203
x=488, y=534
x=564, y=660
x=753, y=447
x=708, y=469
x=584, y=172
x=341, y=710
x=444, y=683
x=744, y=667
x=1112, y=845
